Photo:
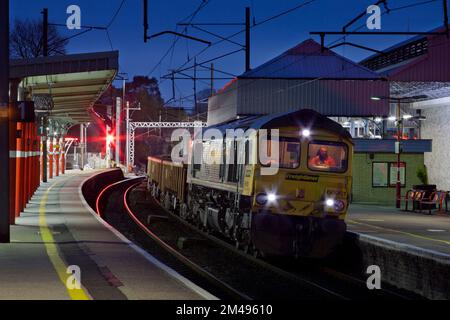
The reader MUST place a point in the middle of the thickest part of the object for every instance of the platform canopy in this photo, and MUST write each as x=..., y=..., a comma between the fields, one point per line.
x=66, y=86
x=417, y=66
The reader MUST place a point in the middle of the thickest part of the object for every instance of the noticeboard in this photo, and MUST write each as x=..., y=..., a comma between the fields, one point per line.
x=384, y=174
x=393, y=170
x=380, y=174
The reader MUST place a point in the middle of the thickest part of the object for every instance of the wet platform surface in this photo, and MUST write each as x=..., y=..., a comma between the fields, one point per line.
x=429, y=232
x=58, y=234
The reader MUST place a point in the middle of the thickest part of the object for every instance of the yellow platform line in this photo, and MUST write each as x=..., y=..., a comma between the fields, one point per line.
x=401, y=232
x=52, y=251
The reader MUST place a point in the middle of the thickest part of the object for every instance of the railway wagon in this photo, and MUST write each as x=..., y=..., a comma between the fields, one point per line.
x=169, y=178
x=299, y=210
x=154, y=170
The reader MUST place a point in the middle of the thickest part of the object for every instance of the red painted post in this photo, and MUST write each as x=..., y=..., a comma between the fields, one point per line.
x=57, y=156
x=36, y=150
x=41, y=159
x=50, y=161
x=27, y=178
x=398, y=185
x=29, y=161
x=31, y=156
x=63, y=156
x=12, y=167
x=26, y=165
x=19, y=203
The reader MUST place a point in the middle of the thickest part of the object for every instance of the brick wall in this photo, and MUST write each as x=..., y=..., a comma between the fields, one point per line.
x=406, y=267
x=437, y=127
x=363, y=192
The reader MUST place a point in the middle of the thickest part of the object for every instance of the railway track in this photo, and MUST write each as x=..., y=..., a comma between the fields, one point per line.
x=226, y=271
x=112, y=206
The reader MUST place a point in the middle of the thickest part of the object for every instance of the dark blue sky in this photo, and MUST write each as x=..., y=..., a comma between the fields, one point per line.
x=268, y=40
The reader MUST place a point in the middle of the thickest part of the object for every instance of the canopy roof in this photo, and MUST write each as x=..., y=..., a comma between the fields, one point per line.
x=308, y=61
x=417, y=66
x=72, y=83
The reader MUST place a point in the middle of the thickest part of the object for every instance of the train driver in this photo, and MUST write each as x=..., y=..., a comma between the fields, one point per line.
x=322, y=159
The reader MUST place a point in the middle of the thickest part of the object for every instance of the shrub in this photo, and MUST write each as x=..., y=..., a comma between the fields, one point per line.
x=422, y=174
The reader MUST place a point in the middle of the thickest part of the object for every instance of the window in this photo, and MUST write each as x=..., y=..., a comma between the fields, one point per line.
x=328, y=156
x=197, y=156
x=289, y=153
x=233, y=167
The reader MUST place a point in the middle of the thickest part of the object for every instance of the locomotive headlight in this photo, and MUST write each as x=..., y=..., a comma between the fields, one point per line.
x=335, y=205
x=330, y=203
x=339, y=205
x=261, y=199
x=306, y=133
x=272, y=197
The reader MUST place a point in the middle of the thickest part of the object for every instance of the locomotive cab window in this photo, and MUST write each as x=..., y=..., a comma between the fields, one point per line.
x=328, y=156
x=289, y=153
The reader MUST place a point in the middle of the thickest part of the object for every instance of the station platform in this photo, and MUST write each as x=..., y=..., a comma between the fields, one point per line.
x=428, y=232
x=59, y=230
x=412, y=250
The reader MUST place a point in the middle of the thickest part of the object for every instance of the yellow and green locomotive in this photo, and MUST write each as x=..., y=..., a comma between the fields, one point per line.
x=297, y=210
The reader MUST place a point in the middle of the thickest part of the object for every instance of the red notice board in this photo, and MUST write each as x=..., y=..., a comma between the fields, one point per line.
x=393, y=168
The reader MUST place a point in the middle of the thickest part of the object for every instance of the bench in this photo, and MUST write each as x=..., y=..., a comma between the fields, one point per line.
x=413, y=196
x=436, y=199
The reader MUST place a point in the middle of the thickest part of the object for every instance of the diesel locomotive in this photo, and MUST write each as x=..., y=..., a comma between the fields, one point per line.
x=299, y=210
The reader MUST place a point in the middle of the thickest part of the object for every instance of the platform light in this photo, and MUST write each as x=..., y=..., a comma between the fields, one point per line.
x=392, y=118
x=378, y=120
x=375, y=98
x=407, y=116
x=306, y=133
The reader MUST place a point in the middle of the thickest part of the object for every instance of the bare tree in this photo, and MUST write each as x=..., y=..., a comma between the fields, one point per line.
x=26, y=40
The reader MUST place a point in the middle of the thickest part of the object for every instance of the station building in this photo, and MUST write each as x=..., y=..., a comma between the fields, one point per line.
x=421, y=66
x=349, y=92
